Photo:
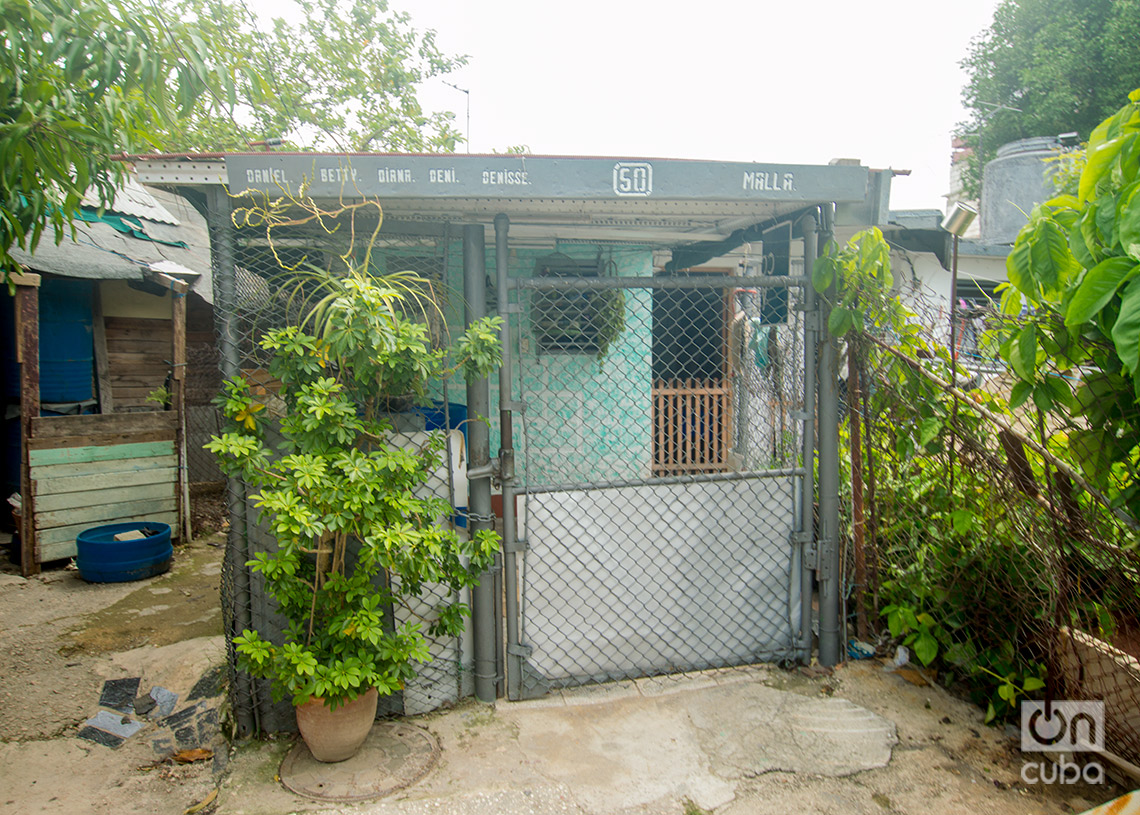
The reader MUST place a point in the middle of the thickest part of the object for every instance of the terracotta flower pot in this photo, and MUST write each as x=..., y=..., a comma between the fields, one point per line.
x=335, y=735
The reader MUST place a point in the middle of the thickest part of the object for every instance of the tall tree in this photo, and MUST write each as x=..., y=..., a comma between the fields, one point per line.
x=84, y=80
x=1045, y=67
x=344, y=77
x=81, y=80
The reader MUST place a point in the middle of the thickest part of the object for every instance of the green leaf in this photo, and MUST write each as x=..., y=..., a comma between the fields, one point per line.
x=928, y=430
x=1098, y=287
x=1023, y=354
x=1018, y=267
x=963, y=520
x=1128, y=223
x=1032, y=683
x=1098, y=163
x=925, y=647
x=823, y=273
x=1052, y=262
x=839, y=322
x=1126, y=329
x=1020, y=393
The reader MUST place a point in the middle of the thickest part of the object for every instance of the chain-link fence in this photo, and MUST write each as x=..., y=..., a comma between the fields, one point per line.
x=256, y=294
x=976, y=536
x=660, y=468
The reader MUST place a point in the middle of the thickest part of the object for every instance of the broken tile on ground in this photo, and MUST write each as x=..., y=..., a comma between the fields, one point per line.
x=164, y=700
x=110, y=729
x=209, y=685
x=118, y=694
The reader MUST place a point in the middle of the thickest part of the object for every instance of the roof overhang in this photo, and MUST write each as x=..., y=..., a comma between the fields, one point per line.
x=660, y=202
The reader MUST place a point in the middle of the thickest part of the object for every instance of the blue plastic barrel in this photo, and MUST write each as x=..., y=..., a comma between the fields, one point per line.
x=67, y=355
x=102, y=559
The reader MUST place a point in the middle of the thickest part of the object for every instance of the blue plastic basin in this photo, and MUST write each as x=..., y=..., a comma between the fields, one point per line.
x=102, y=559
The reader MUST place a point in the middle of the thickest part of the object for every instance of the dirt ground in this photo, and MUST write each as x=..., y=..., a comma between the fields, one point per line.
x=62, y=638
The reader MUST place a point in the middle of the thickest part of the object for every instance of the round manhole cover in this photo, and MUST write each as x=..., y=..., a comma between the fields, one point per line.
x=395, y=755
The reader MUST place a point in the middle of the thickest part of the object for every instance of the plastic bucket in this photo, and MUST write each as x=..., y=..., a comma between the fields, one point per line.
x=102, y=559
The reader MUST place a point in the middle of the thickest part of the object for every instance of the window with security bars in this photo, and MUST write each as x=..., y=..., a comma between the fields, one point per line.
x=569, y=321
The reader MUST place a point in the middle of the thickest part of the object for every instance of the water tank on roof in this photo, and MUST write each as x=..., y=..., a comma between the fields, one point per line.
x=1014, y=183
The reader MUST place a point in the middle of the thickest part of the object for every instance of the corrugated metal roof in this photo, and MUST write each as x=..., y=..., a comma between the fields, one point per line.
x=101, y=253
x=132, y=198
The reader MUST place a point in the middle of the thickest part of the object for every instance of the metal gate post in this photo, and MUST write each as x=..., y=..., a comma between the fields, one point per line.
x=479, y=517
x=808, y=549
x=512, y=547
x=830, y=624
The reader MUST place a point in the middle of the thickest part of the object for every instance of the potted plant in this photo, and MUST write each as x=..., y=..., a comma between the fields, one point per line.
x=356, y=531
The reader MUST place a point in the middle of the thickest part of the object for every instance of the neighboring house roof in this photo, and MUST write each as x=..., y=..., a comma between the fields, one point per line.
x=920, y=230
x=143, y=228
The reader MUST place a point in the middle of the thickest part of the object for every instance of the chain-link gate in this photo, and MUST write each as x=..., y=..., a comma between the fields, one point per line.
x=659, y=469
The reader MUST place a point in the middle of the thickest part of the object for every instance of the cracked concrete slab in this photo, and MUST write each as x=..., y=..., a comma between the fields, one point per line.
x=750, y=730
x=621, y=755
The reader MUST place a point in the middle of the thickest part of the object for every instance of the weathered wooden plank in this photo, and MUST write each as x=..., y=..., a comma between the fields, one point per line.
x=178, y=387
x=129, y=493
x=137, y=372
x=102, y=440
x=28, y=352
x=75, y=455
x=136, y=357
x=145, y=325
x=137, y=351
x=110, y=423
x=46, y=486
x=60, y=542
x=102, y=369
x=104, y=468
x=93, y=516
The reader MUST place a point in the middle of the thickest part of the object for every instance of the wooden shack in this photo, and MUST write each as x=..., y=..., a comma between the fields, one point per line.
x=122, y=456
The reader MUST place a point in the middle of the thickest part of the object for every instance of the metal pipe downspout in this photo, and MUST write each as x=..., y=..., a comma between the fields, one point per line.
x=830, y=624
x=479, y=452
x=809, y=226
x=239, y=616
x=511, y=552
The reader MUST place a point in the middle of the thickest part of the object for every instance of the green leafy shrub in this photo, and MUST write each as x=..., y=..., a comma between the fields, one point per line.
x=357, y=531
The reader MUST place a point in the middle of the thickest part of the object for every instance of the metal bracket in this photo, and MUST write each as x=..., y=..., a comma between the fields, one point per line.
x=512, y=308
x=810, y=549
x=800, y=415
x=520, y=650
x=516, y=406
x=823, y=566
x=488, y=470
x=517, y=545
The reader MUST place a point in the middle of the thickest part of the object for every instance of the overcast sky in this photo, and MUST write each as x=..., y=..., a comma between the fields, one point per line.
x=789, y=82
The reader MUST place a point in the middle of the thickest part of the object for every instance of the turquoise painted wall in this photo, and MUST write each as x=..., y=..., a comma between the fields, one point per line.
x=585, y=420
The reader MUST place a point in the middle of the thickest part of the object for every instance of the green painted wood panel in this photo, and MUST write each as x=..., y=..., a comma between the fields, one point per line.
x=89, y=499
x=45, y=472
x=72, y=455
x=96, y=516
x=98, y=482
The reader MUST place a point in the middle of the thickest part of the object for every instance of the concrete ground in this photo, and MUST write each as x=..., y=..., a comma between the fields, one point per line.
x=756, y=740
x=749, y=740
